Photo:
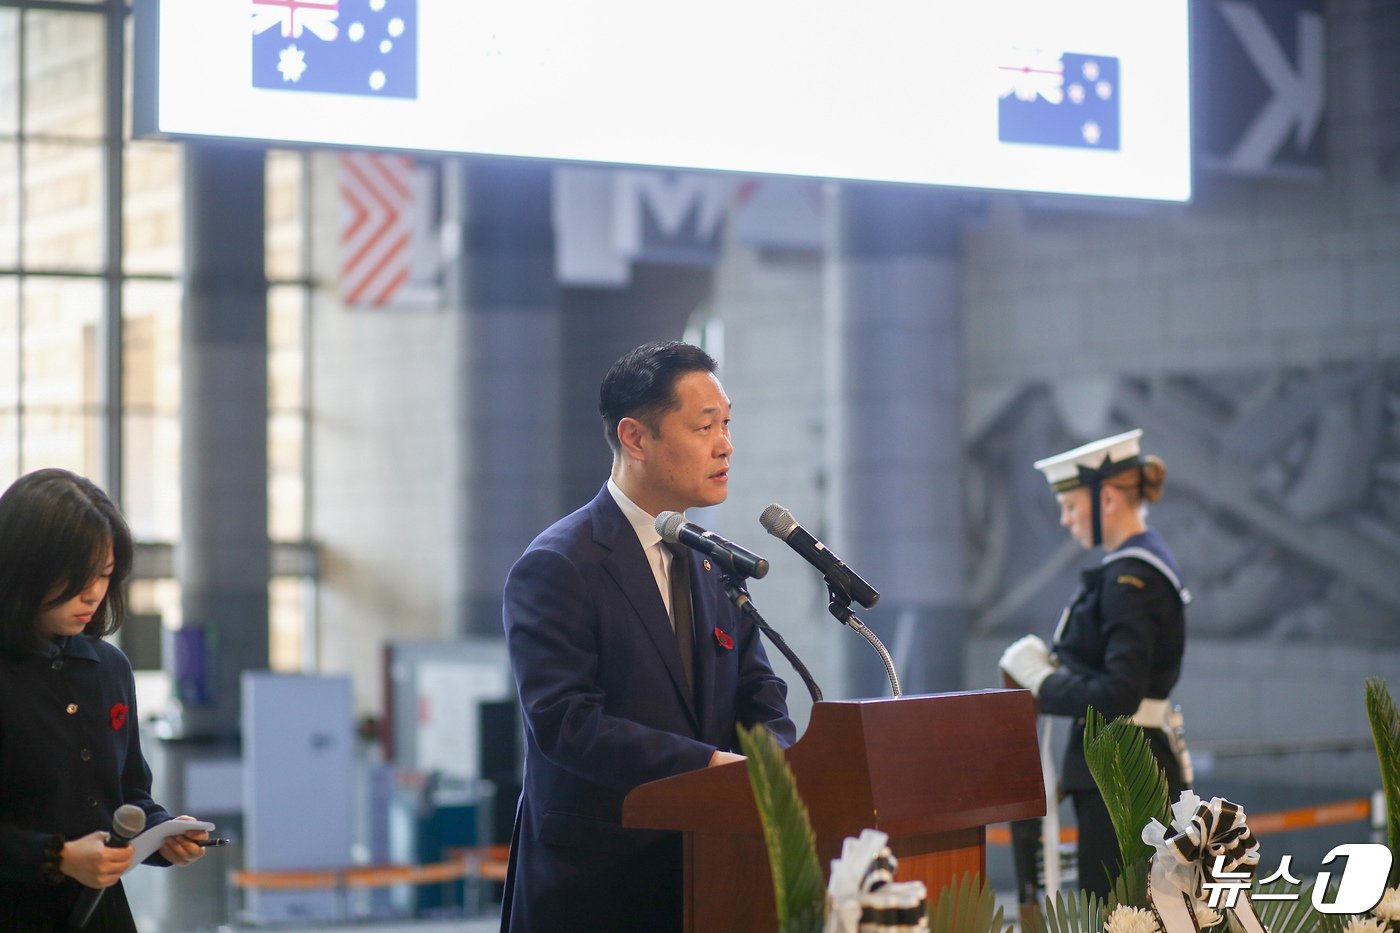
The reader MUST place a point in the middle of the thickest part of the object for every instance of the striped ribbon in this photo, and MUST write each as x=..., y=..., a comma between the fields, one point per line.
x=1216, y=833
x=1201, y=833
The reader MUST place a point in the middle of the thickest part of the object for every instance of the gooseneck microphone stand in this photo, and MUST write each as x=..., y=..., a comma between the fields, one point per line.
x=840, y=607
x=734, y=586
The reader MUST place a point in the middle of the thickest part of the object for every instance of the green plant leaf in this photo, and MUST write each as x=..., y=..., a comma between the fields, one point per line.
x=1385, y=731
x=798, y=889
x=966, y=905
x=1132, y=783
x=1080, y=912
x=1130, y=887
x=1294, y=915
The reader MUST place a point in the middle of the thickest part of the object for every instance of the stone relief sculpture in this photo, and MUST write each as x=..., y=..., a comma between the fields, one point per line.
x=1284, y=504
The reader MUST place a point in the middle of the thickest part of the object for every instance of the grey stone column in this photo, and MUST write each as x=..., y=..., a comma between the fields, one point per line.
x=222, y=557
x=894, y=448
x=503, y=287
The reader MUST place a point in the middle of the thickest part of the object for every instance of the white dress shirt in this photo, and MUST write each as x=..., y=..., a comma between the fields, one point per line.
x=652, y=546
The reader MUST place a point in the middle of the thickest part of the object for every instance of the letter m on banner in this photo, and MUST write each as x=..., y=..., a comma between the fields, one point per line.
x=389, y=255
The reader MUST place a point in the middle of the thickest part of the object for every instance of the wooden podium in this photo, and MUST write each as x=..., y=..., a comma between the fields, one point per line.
x=930, y=771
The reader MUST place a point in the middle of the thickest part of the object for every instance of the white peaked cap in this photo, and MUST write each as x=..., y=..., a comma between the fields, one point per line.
x=1092, y=462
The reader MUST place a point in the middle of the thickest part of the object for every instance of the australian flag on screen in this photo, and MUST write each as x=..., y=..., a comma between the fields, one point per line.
x=1052, y=98
x=363, y=47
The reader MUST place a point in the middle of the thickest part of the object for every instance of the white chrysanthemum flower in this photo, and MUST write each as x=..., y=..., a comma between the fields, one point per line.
x=1366, y=925
x=1207, y=916
x=1125, y=919
x=1389, y=906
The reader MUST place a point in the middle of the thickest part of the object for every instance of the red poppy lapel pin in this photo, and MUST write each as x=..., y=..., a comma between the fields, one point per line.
x=118, y=716
x=723, y=639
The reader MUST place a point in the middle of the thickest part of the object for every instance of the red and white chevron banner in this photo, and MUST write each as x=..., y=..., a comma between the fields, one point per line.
x=379, y=201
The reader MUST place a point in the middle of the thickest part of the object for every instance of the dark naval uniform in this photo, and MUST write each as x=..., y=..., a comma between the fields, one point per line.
x=70, y=754
x=1119, y=642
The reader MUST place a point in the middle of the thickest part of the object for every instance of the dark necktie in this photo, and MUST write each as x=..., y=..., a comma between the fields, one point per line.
x=682, y=612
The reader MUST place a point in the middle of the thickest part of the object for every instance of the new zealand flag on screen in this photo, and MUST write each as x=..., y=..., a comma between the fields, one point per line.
x=1053, y=98
x=363, y=47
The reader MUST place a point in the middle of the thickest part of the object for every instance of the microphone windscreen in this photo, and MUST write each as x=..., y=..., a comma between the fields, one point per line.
x=668, y=525
x=129, y=820
x=777, y=521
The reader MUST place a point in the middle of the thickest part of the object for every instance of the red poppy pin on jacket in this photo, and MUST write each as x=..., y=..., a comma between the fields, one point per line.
x=723, y=639
x=118, y=716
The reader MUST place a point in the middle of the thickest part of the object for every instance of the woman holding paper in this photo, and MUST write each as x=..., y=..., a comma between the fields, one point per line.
x=70, y=751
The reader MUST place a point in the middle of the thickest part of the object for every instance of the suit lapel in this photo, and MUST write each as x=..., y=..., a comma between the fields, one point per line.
x=629, y=569
x=709, y=596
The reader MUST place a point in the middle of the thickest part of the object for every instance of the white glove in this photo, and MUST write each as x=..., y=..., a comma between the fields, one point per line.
x=1027, y=661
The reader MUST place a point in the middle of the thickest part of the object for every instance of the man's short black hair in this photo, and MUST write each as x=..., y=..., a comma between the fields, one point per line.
x=642, y=384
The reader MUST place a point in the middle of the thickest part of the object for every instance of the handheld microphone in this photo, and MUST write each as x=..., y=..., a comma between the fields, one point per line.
x=127, y=824
x=779, y=523
x=673, y=529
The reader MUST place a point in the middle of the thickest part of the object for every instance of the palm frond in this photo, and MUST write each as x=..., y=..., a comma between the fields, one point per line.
x=1080, y=912
x=965, y=906
x=1294, y=914
x=1132, y=783
x=1130, y=887
x=1385, y=730
x=798, y=889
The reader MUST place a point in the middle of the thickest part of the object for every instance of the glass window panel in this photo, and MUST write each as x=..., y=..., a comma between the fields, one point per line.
x=9, y=447
x=285, y=346
x=9, y=71
x=152, y=222
x=64, y=73
x=9, y=202
x=287, y=617
x=9, y=379
x=285, y=176
x=128, y=80
x=151, y=409
x=159, y=597
x=285, y=488
x=286, y=428
x=63, y=206
x=9, y=343
x=60, y=383
x=61, y=437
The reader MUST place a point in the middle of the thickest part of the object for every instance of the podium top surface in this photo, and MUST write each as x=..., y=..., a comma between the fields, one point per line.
x=915, y=764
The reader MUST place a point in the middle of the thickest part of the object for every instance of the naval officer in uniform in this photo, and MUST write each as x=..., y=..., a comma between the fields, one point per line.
x=1119, y=643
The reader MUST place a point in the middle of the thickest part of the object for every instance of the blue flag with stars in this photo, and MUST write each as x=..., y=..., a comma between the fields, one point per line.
x=368, y=48
x=1059, y=99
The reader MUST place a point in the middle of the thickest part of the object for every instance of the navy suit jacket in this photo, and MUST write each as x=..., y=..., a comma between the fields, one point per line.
x=606, y=708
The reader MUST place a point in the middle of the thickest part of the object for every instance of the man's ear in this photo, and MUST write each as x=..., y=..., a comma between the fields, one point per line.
x=630, y=433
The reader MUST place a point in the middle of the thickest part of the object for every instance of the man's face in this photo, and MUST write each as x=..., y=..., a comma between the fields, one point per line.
x=687, y=460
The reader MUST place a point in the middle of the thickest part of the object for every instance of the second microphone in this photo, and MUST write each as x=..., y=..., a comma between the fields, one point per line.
x=674, y=529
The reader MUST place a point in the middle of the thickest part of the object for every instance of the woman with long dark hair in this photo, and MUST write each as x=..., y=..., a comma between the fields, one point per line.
x=70, y=750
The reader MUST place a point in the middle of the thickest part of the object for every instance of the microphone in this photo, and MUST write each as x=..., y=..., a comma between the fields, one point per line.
x=127, y=824
x=673, y=529
x=779, y=523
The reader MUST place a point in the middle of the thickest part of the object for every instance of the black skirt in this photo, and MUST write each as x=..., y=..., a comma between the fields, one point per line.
x=45, y=908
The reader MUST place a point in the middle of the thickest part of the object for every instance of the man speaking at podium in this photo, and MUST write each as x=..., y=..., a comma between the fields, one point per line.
x=631, y=662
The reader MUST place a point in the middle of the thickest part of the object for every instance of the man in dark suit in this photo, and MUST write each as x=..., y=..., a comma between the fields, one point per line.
x=612, y=694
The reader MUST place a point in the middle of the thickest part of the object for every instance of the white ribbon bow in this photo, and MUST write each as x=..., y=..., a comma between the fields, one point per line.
x=847, y=875
x=1201, y=834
